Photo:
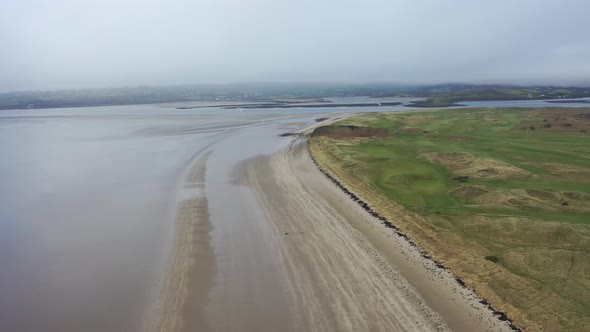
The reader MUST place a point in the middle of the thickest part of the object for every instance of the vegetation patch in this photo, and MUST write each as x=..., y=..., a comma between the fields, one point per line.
x=505, y=207
x=469, y=193
x=350, y=131
x=467, y=165
x=492, y=258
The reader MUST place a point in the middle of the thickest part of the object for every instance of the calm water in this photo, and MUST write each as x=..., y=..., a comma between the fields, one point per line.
x=88, y=197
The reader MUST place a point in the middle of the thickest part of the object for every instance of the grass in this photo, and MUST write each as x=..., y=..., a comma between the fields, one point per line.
x=502, y=199
x=452, y=97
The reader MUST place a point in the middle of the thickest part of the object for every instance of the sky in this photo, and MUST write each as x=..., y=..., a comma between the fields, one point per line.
x=57, y=44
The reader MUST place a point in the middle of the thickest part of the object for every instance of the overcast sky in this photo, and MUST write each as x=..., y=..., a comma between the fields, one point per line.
x=53, y=44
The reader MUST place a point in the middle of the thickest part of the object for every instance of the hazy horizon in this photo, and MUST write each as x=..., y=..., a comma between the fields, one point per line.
x=53, y=45
x=325, y=84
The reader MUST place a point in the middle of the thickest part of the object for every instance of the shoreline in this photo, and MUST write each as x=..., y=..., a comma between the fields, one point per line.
x=337, y=279
x=324, y=104
x=431, y=263
x=343, y=269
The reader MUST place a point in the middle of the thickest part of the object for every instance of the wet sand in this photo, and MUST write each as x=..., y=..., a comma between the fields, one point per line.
x=183, y=302
x=225, y=272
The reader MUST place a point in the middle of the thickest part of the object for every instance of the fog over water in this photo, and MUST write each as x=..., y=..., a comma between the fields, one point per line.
x=79, y=44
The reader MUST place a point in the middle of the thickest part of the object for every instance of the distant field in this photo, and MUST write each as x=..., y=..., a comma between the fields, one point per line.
x=450, y=97
x=501, y=196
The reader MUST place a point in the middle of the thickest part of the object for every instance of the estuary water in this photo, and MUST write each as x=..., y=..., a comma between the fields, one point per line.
x=88, y=200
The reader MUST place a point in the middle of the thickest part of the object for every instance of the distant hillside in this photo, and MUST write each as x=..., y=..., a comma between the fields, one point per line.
x=440, y=95
x=185, y=93
x=450, y=96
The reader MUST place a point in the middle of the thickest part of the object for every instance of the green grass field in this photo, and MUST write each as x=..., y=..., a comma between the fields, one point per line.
x=501, y=195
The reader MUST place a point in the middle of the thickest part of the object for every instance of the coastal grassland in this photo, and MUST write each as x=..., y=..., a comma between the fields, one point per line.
x=501, y=196
x=451, y=96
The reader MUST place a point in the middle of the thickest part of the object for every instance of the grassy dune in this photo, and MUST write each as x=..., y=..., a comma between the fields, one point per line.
x=501, y=196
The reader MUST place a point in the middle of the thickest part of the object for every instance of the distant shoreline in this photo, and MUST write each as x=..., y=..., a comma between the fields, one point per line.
x=296, y=105
x=569, y=101
x=288, y=95
x=427, y=103
x=430, y=103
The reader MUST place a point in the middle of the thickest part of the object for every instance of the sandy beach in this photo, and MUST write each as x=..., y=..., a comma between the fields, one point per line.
x=335, y=266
